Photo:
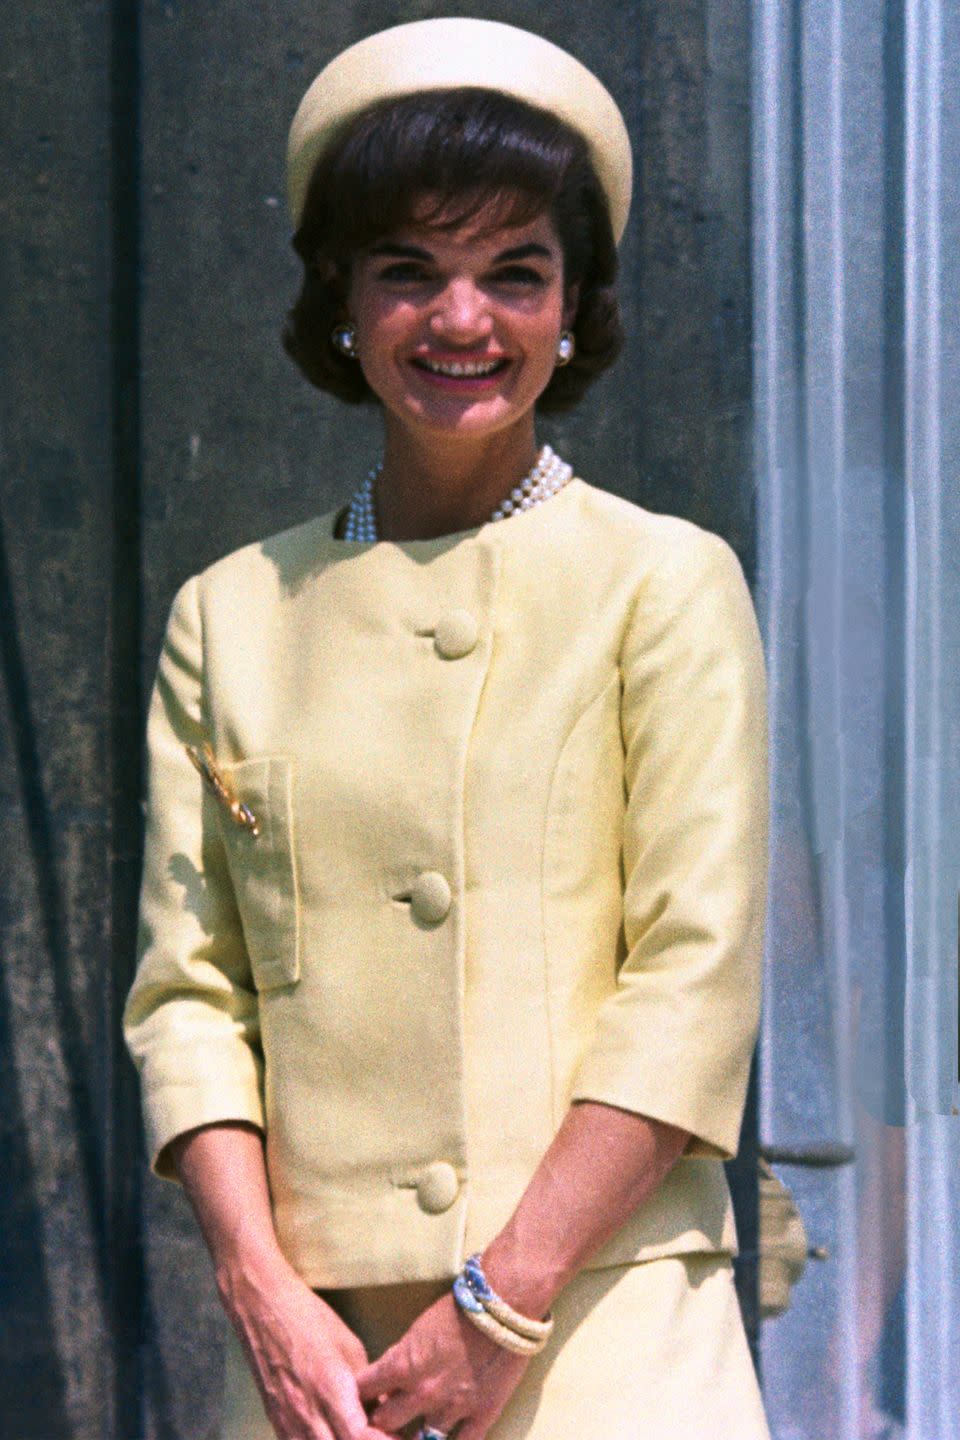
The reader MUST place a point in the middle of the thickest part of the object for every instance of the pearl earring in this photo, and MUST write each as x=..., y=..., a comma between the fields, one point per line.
x=566, y=348
x=344, y=338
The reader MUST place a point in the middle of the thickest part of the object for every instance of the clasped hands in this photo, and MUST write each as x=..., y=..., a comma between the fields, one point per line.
x=443, y=1371
x=316, y=1382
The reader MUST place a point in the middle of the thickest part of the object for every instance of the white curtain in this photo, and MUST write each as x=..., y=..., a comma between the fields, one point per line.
x=856, y=198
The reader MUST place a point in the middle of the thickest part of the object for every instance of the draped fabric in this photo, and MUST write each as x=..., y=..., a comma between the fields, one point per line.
x=856, y=259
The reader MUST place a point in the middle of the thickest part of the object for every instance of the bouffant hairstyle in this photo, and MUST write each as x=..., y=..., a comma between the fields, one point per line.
x=446, y=157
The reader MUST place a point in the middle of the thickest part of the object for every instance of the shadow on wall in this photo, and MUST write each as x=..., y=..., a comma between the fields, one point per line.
x=31, y=1382
x=34, y=1395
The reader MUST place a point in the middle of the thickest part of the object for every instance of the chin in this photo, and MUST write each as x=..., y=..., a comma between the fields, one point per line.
x=473, y=420
x=458, y=416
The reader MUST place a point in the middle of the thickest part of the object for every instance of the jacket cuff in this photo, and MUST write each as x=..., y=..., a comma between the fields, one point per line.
x=714, y=1130
x=188, y=1089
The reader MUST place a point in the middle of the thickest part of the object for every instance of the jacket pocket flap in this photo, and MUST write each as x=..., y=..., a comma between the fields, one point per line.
x=263, y=866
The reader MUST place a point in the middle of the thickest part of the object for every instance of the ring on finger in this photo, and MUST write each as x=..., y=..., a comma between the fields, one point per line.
x=430, y=1432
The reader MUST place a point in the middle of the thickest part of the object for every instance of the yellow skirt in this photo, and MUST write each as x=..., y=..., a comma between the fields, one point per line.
x=653, y=1351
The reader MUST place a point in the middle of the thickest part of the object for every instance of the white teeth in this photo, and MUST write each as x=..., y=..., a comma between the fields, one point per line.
x=467, y=368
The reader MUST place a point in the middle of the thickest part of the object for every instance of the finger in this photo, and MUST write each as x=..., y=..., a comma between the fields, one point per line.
x=447, y=1420
x=472, y=1430
x=319, y=1430
x=346, y=1341
x=344, y=1411
x=353, y=1351
x=381, y=1377
x=298, y=1421
x=397, y=1410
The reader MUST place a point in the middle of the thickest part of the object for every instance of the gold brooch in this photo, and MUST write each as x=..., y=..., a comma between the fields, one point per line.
x=241, y=814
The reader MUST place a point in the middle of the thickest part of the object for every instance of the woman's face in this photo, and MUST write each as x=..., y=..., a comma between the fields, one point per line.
x=457, y=330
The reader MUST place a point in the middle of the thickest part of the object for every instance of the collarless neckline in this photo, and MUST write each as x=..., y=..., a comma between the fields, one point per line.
x=520, y=520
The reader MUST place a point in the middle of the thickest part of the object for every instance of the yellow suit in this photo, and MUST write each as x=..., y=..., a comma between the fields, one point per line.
x=511, y=792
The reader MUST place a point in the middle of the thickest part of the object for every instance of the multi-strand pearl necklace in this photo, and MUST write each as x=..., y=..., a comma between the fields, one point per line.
x=548, y=475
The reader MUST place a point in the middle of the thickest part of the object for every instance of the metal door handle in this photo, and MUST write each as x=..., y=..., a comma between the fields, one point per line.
x=826, y=1155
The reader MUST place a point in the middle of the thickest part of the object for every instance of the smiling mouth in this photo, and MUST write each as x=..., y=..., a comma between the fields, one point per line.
x=462, y=369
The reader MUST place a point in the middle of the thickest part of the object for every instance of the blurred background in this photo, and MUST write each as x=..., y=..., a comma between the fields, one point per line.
x=791, y=289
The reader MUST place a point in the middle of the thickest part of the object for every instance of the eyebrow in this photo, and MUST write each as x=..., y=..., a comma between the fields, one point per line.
x=415, y=252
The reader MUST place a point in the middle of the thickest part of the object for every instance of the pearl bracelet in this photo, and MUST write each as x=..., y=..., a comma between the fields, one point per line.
x=490, y=1313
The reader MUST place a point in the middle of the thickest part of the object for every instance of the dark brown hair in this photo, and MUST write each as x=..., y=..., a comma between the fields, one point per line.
x=465, y=152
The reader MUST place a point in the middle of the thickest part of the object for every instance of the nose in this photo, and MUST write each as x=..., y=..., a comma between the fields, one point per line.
x=462, y=312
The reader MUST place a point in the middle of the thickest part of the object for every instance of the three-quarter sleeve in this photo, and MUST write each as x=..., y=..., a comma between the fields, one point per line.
x=191, y=1020
x=675, y=1038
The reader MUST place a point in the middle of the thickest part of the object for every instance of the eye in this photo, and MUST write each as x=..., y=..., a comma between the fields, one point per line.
x=519, y=275
x=402, y=272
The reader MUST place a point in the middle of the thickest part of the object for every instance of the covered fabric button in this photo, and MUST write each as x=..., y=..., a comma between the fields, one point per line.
x=437, y=1188
x=430, y=898
x=456, y=634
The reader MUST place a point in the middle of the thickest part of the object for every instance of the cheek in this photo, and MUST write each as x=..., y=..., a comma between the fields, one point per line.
x=375, y=325
x=380, y=331
x=373, y=313
x=543, y=341
x=548, y=322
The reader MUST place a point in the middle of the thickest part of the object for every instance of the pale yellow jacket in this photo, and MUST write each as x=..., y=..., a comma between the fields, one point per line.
x=511, y=787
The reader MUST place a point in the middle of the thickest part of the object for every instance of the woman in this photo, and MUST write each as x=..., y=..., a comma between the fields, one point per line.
x=455, y=871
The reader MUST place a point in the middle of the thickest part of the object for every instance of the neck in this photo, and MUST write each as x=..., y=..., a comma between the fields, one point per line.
x=447, y=484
